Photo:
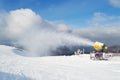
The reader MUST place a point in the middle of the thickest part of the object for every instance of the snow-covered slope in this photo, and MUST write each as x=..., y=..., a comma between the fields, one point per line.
x=16, y=67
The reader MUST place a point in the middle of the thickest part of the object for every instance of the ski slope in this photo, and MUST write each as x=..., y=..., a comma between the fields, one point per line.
x=16, y=67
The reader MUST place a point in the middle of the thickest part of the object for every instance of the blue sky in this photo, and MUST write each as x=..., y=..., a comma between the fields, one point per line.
x=71, y=12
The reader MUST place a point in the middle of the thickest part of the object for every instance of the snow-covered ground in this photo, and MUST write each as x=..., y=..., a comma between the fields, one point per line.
x=16, y=67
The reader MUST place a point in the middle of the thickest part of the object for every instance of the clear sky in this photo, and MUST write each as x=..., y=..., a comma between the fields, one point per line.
x=71, y=12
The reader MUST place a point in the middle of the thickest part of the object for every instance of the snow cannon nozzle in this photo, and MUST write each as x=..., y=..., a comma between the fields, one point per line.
x=98, y=46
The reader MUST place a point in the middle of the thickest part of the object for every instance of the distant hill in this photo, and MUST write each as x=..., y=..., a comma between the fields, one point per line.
x=69, y=50
x=114, y=49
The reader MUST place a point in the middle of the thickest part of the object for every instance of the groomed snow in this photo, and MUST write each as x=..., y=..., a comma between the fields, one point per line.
x=16, y=67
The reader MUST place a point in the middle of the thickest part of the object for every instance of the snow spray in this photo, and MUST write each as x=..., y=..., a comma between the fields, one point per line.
x=36, y=35
x=43, y=42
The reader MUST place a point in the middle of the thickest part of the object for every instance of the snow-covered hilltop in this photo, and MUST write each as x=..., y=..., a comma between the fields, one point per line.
x=16, y=67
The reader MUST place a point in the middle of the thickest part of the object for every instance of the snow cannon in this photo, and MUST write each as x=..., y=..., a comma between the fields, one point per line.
x=101, y=52
x=101, y=47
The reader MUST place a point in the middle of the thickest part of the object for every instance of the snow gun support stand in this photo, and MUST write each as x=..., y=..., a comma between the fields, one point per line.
x=101, y=52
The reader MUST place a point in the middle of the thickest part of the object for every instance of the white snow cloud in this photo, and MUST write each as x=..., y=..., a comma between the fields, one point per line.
x=102, y=28
x=115, y=3
x=62, y=27
x=110, y=36
x=25, y=28
x=101, y=19
x=19, y=21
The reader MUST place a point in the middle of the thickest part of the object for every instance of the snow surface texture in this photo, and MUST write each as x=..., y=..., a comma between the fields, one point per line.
x=16, y=67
